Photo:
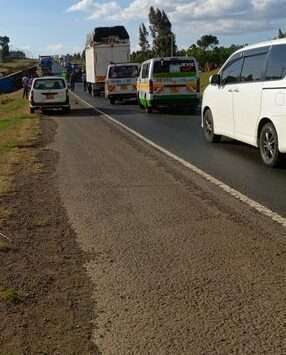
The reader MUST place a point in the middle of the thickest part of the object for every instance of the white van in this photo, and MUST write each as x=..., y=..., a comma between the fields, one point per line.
x=246, y=100
x=121, y=81
x=168, y=81
x=49, y=93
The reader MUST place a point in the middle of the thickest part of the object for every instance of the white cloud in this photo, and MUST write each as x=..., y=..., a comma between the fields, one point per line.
x=198, y=16
x=96, y=10
x=55, y=48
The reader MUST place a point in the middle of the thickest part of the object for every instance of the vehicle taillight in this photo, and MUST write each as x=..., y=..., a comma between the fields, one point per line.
x=151, y=86
x=198, y=85
x=32, y=95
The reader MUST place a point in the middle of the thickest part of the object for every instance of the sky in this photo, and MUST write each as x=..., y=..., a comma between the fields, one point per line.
x=60, y=26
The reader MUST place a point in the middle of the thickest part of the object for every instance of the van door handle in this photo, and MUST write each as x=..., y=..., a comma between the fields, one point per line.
x=230, y=90
x=235, y=90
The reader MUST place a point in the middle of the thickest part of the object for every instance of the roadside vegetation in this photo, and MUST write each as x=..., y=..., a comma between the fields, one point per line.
x=18, y=129
x=14, y=65
x=204, y=76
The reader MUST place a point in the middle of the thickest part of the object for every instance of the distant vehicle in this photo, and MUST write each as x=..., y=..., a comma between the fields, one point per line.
x=105, y=45
x=49, y=93
x=246, y=100
x=46, y=64
x=168, y=81
x=121, y=81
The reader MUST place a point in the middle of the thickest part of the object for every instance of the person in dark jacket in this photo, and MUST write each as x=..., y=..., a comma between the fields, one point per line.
x=25, y=84
x=72, y=80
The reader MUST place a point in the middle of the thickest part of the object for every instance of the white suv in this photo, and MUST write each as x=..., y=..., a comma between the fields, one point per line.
x=49, y=93
x=246, y=100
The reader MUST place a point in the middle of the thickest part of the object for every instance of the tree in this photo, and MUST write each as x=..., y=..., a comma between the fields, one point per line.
x=207, y=41
x=4, y=43
x=143, y=38
x=164, y=41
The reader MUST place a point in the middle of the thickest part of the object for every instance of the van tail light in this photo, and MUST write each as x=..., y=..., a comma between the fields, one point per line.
x=32, y=96
x=198, y=85
x=151, y=87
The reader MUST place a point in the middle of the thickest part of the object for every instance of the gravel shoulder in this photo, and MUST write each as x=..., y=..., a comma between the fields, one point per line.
x=178, y=266
x=46, y=304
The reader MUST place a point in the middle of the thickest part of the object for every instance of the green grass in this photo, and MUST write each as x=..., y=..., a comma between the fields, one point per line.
x=205, y=79
x=13, y=112
x=10, y=295
x=15, y=65
x=4, y=246
x=16, y=123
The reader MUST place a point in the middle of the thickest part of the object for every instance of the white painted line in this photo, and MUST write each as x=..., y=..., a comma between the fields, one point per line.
x=236, y=194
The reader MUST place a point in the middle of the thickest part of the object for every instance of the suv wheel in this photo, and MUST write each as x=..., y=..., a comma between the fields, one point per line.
x=268, y=145
x=208, y=128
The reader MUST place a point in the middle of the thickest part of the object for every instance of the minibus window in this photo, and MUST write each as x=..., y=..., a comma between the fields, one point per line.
x=276, y=67
x=174, y=68
x=253, y=68
x=231, y=73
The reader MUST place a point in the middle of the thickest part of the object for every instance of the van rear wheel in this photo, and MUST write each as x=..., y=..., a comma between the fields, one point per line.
x=268, y=145
x=208, y=128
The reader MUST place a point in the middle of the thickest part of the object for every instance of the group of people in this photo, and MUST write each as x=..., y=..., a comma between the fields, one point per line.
x=27, y=84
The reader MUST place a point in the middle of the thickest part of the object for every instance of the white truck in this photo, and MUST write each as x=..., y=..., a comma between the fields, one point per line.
x=104, y=46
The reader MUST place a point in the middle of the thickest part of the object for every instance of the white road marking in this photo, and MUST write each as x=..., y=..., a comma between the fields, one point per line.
x=236, y=194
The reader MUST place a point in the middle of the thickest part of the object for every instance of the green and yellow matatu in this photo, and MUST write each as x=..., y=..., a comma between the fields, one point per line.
x=168, y=81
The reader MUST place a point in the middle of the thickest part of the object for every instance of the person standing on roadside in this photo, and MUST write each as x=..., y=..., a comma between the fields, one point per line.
x=25, y=84
x=30, y=81
x=84, y=81
x=72, y=80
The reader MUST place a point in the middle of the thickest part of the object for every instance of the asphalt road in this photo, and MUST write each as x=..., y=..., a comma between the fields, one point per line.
x=177, y=265
x=236, y=164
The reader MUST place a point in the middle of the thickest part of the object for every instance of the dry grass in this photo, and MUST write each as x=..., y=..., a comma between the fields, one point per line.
x=15, y=65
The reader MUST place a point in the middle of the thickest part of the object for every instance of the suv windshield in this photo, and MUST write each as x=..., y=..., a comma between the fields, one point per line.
x=174, y=67
x=123, y=71
x=49, y=84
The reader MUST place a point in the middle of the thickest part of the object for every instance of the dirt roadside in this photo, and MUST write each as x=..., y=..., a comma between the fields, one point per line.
x=45, y=296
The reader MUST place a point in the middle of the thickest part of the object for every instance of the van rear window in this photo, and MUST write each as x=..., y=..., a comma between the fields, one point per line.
x=175, y=68
x=123, y=72
x=49, y=84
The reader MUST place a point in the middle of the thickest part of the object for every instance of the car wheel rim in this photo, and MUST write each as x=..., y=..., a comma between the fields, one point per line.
x=208, y=126
x=269, y=144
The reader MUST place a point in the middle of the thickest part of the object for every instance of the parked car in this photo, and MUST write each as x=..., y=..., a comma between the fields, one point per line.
x=49, y=93
x=246, y=100
x=121, y=81
x=168, y=81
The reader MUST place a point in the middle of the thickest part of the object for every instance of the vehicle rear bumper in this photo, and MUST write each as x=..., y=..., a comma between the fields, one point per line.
x=49, y=105
x=123, y=95
x=175, y=100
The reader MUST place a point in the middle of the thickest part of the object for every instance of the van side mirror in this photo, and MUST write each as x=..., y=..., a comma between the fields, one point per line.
x=215, y=79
